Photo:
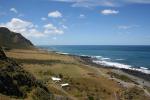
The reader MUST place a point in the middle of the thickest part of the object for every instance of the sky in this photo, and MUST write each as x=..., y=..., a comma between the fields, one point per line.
x=78, y=22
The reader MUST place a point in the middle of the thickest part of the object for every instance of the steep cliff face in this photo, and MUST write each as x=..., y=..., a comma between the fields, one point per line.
x=13, y=40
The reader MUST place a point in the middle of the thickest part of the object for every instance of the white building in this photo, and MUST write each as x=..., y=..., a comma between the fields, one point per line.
x=56, y=79
x=64, y=85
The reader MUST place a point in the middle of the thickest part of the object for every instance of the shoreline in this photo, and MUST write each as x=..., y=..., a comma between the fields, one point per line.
x=79, y=72
x=89, y=61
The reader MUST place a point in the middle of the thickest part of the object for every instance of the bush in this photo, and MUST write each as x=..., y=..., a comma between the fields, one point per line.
x=90, y=98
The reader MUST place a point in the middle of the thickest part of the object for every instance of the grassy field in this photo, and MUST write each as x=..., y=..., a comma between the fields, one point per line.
x=85, y=82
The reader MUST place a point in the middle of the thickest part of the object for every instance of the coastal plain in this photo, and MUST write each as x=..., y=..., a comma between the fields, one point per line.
x=86, y=82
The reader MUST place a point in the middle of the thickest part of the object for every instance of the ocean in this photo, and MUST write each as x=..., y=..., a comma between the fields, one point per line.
x=129, y=57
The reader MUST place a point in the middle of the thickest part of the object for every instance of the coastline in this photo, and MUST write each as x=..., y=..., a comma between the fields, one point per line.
x=89, y=61
x=136, y=73
x=80, y=72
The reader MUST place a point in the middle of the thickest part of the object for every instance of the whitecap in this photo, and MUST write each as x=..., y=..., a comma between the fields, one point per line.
x=112, y=64
x=120, y=65
x=105, y=58
x=97, y=57
x=119, y=59
x=144, y=68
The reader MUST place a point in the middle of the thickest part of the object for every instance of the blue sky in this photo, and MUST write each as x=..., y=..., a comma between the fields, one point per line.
x=79, y=22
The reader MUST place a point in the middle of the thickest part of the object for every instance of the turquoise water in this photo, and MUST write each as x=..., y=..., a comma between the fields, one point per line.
x=131, y=56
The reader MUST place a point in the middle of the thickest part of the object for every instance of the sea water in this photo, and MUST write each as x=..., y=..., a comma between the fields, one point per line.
x=129, y=57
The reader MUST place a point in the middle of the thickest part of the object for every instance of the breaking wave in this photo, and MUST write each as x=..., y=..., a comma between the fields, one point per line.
x=108, y=63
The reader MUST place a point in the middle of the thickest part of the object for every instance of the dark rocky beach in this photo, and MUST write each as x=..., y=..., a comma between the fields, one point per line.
x=89, y=61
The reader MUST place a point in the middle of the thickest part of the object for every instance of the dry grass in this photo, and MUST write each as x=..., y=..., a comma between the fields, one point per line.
x=135, y=93
x=86, y=82
x=39, y=55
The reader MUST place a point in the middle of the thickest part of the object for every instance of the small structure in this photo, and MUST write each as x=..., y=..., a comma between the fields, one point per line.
x=64, y=85
x=56, y=79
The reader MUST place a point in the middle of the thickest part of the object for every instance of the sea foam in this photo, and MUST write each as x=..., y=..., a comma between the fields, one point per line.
x=112, y=64
x=105, y=62
x=119, y=59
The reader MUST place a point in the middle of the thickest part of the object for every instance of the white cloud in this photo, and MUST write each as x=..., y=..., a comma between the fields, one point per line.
x=26, y=28
x=109, y=12
x=55, y=14
x=138, y=1
x=82, y=16
x=14, y=10
x=20, y=15
x=65, y=27
x=54, y=38
x=51, y=29
x=125, y=27
x=89, y=3
x=108, y=3
x=43, y=18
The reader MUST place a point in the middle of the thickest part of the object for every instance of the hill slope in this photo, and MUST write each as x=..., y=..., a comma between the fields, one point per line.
x=13, y=40
x=16, y=82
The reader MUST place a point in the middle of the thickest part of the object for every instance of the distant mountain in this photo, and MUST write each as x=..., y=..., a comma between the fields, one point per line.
x=11, y=39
